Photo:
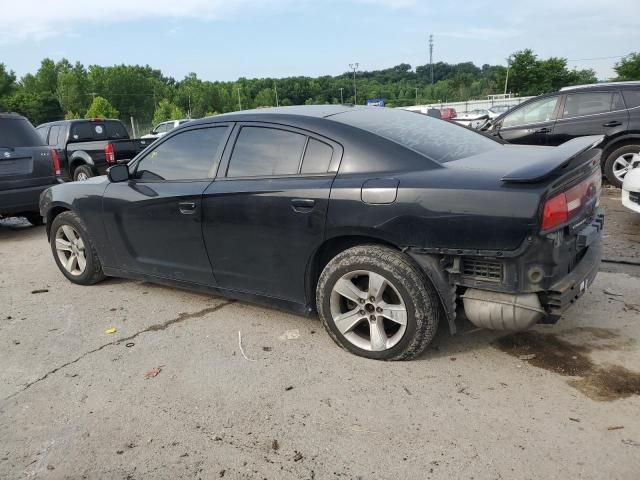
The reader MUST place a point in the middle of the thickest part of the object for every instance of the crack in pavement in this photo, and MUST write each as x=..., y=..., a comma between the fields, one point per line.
x=153, y=328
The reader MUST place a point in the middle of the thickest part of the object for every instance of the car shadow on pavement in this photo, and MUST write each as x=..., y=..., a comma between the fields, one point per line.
x=18, y=228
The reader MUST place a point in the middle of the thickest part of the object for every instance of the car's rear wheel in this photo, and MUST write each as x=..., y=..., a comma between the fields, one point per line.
x=620, y=162
x=73, y=251
x=82, y=173
x=374, y=302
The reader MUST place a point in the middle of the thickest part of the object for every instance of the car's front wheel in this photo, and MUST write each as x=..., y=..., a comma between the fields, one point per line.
x=374, y=302
x=73, y=251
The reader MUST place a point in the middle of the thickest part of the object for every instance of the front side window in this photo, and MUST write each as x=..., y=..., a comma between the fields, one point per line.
x=579, y=104
x=190, y=155
x=535, y=112
x=261, y=151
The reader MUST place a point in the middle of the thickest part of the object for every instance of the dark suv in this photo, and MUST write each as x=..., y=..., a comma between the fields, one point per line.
x=611, y=109
x=27, y=167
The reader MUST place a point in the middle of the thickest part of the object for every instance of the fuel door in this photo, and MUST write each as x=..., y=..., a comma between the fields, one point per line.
x=380, y=191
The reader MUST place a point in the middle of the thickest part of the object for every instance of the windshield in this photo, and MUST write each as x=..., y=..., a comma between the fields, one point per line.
x=436, y=139
x=18, y=132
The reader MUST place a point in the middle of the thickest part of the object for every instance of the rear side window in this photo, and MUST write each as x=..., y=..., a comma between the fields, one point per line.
x=317, y=157
x=188, y=155
x=54, y=134
x=578, y=104
x=631, y=98
x=435, y=139
x=18, y=132
x=261, y=151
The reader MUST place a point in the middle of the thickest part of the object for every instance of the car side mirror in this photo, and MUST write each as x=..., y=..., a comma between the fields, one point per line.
x=118, y=173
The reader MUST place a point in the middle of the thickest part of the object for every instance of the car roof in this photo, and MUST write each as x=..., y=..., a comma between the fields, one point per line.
x=604, y=86
x=313, y=111
x=10, y=115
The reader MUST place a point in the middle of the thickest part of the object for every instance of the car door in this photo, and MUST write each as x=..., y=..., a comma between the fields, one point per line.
x=264, y=215
x=529, y=124
x=154, y=220
x=590, y=113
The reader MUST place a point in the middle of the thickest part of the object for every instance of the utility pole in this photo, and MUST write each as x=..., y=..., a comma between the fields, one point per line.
x=341, y=97
x=354, y=67
x=275, y=87
x=416, y=95
x=239, y=102
x=506, y=80
x=431, y=56
x=189, y=103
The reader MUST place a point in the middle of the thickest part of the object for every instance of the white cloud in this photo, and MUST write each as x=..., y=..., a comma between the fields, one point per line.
x=481, y=33
x=38, y=19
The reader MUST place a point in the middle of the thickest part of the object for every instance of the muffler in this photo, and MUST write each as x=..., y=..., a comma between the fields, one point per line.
x=502, y=311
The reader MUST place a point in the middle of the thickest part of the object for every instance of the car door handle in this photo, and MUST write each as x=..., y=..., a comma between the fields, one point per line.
x=543, y=130
x=302, y=205
x=613, y=123
x=187, y=208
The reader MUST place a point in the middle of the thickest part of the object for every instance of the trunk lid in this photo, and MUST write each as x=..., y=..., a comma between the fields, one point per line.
x=532, y=164
x=25, y=167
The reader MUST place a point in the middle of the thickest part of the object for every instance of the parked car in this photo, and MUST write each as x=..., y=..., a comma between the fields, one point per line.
x=631, y=190
x=379, y=219
x=612, y=110
x=86, y=148
x=165, y=127
x=473, y=118
x=448, y=113
x=27, y=167
x=498, y=110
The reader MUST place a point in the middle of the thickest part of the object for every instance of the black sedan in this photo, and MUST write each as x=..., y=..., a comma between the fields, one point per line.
x=381, y=221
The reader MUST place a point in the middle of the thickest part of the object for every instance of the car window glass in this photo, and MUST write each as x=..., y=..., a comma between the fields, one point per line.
x=534, y=112
x=43, y=131
x=578, y=104
x=631, y=98
x=437, y=140
x=189, y=155
x=263, y=151
x=616, y=102
x=115, y=130
x=18, y=132
x=317, y=157
x=53, y=135
x=88, y=131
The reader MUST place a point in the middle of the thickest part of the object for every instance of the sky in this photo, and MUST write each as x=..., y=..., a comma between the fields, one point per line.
x=228, y=39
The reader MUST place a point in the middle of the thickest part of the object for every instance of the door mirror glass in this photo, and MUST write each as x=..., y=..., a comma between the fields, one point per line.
x=118, y=173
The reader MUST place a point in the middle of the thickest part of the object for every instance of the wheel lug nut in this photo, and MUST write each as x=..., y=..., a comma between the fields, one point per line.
x=361, y=300
x=372, y=318
x=361, y=312
x=372, y=299
x=379, y=309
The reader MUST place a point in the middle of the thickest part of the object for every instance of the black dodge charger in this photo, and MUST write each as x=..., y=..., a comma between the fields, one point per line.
x=384, y=222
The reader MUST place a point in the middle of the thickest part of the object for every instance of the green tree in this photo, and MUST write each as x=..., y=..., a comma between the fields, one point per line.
x=7, y=81
x=628, y=68
x=73, y=87
x=37, y=107
x=167, y=111
x=101, y=108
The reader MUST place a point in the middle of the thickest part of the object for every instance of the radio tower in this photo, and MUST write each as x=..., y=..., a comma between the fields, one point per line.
x=431, y=56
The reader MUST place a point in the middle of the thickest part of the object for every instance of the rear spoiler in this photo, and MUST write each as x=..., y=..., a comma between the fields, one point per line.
x=553, y=159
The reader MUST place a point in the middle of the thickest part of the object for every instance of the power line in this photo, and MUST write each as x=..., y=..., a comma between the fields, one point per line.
x=595, y=58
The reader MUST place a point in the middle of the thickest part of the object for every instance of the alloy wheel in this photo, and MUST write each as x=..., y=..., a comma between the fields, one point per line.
x=368, y=310
x=71, y=250
x=625, y=163
x=81, y=177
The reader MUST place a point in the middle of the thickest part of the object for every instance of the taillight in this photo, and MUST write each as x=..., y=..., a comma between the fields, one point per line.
x=56, y=162
x=109, y=154
x=564, y=206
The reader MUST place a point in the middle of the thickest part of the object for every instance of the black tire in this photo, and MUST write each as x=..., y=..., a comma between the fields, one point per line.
x=82, y=170
x=611, y=158
x=34, y=218
x=93, y=271
x=422, y=304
